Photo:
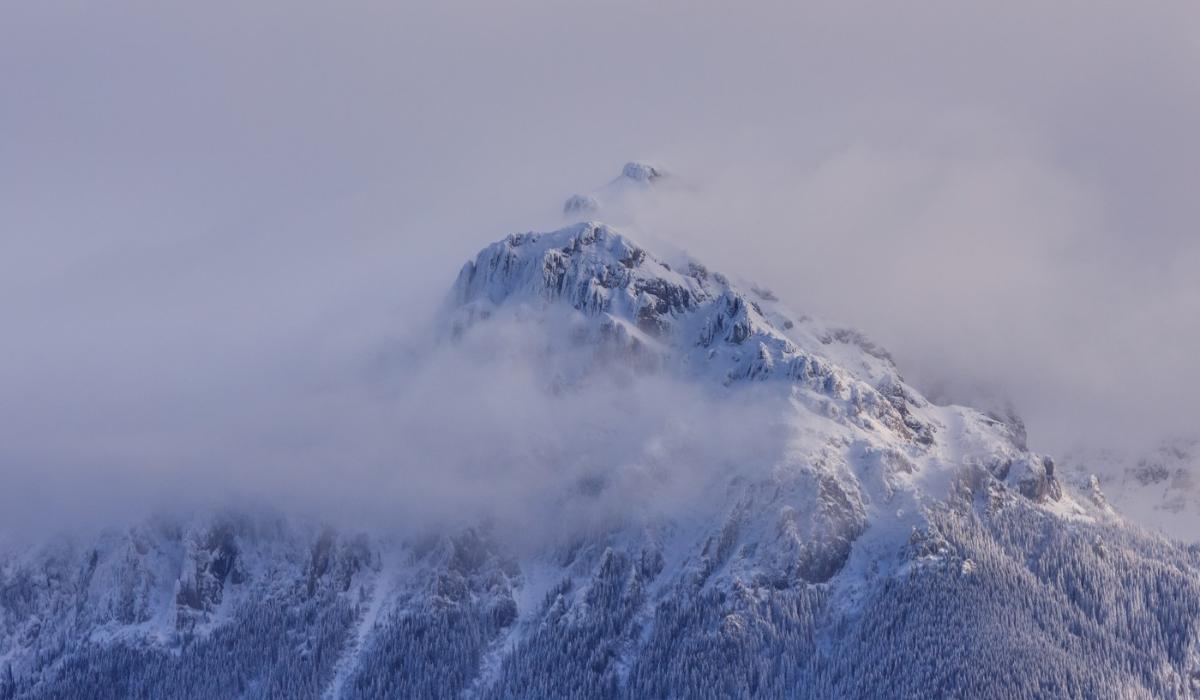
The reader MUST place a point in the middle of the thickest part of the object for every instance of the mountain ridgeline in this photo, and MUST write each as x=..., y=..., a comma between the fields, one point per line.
x=873, y=544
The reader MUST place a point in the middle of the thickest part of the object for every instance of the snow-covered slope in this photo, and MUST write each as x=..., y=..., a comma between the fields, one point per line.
x=1159, y=489
x=868, y=543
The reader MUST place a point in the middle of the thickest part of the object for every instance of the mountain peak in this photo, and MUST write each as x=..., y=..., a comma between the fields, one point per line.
x=629, y=303
x=641, y=172
x=634, y=181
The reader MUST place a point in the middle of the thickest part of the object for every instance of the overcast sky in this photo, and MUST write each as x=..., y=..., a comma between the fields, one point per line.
x=210, y=212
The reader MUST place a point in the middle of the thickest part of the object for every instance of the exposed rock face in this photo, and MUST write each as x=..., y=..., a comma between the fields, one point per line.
x=1035, y=479
x=210, y=561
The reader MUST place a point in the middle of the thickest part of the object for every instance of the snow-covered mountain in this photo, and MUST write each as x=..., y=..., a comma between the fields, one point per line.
x=635, y=180
x=1159, y=489
x=868, y=543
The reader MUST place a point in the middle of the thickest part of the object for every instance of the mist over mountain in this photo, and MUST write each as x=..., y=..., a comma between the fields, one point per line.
x=344, y=355
x=188, y=195
x=607, y=471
